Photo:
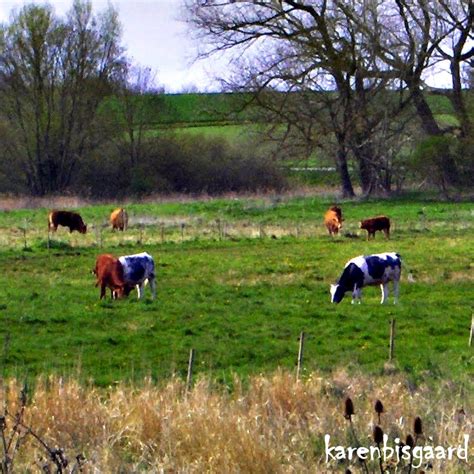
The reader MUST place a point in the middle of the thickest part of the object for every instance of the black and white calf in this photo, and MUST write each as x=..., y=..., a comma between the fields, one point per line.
x=137, y=270
x=377, y=269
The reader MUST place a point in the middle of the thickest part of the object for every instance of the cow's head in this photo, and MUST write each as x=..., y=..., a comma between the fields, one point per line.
x=118, y=292
x=122, y=291
x=337, y=293
x=83, y=228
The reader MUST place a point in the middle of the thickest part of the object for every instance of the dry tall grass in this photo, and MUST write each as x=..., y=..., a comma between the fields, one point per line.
x=272, y=424
x=12, y=202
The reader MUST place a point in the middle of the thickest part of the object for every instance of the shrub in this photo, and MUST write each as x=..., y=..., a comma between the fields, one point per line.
x=444, y=161
x=190, y=164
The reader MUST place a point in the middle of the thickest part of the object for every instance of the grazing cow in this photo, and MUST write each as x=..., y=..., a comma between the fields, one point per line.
x=374, y=224
x=377, y=269
x=333, y=220
x=119, y=219
x=109, y=273
x=137, y=270
x=67, y=219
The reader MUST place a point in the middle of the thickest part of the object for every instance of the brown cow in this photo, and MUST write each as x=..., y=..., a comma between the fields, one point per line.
x=119, y=219
x=333, y=220
x=67, y=219
x=374, y=224
x=109, y=273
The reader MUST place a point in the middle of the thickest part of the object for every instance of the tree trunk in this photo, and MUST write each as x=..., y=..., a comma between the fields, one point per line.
x=343, y=170
x=366, y=174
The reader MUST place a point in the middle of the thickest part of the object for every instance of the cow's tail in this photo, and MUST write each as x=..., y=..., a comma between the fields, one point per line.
x=408, y=269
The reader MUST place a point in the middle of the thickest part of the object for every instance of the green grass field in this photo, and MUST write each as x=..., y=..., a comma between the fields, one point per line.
x=238, y=280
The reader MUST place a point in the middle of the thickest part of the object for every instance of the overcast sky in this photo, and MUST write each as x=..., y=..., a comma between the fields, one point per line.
x=153, y=35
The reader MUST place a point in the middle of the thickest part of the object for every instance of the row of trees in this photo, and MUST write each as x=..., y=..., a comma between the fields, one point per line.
x=343, y=76
x=56, y=75
x=373, y=55
x=75, y=114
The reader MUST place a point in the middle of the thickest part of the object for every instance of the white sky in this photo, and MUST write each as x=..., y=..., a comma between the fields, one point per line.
x=154, y=36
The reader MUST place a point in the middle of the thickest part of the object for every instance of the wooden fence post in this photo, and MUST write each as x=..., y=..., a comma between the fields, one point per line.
x=182, y=231
x=300, y=356
x=392, y=340
x=219, y=229
x=25, y=243
x=189, y=378
x=472, y=331
x=98, y=234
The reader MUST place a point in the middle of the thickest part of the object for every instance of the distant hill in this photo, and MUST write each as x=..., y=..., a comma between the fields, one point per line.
x=201, y=109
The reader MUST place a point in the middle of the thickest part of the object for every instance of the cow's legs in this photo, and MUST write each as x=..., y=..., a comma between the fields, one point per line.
x=140, y=289
x=152, y=282
x=356, y=295
x=102, y=291
x=396, y=289
x=384, y=289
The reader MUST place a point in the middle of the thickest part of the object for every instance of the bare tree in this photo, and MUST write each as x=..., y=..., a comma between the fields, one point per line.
x=345, y=68
x=326, y=79
x=457, y=48
x=420, y=36
x=53, y=74
x=137, y=101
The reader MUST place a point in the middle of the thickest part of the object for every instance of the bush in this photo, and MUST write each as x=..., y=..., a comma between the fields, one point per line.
x=434, y=161
x=190, y=164
x=445, y=161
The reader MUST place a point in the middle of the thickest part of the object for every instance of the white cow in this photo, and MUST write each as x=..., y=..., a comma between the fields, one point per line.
x=139, y=269
x=377, y=269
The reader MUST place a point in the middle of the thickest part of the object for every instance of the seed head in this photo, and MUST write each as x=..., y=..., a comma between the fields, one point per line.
x=418, y=426
x=378, y=434
x=348, y=409
x=378, y=407
x=410, y=441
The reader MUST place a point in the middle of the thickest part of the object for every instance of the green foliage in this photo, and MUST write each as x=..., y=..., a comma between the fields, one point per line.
x=189, y=164
x=432, y=160
x=445, y=161
x=241, y=303
x=55, y=72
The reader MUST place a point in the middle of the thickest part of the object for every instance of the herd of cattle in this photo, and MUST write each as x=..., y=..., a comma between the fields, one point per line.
x=121, y=275
x=333, y=222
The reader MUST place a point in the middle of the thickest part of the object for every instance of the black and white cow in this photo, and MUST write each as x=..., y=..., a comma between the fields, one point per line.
x=377, y=269
x=137, y=270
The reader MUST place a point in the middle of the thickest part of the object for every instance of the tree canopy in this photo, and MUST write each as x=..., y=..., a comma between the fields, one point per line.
x=358, y=50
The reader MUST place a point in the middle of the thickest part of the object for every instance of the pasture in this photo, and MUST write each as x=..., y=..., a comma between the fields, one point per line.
x=238, y=280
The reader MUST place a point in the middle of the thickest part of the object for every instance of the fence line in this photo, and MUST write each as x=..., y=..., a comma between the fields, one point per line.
x=100, y=235
x=155, y=231
x=300, y=357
